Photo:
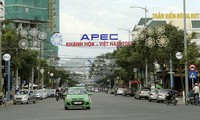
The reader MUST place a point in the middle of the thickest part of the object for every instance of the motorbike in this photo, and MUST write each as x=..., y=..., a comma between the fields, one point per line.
x=61, y=96
x=171, y=99
x=57, y=96
x=190, y=98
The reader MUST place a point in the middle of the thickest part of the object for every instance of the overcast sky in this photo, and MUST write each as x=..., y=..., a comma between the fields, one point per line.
x=107, y=16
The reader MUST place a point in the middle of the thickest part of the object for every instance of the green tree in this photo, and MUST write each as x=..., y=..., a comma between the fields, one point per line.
x=134, y=56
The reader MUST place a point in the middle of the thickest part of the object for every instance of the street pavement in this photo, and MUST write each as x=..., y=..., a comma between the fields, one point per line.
x=104, y=107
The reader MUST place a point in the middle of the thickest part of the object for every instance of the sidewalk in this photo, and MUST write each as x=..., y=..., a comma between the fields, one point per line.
x=8, y=103
x=180, y=101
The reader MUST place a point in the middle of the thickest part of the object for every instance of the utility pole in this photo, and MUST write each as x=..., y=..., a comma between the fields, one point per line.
x=185, y=49
x=2, y=11
x=145, y=22
x=1, y=81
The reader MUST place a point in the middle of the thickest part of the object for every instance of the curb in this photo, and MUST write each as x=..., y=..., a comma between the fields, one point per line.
x=180, y=101
x=9, y=103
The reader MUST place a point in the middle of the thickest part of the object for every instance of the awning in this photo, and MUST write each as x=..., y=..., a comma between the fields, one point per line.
x=135, y=82
x=30, y=85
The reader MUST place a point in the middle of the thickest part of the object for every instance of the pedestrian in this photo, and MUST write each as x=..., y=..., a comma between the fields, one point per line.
x=196, y=93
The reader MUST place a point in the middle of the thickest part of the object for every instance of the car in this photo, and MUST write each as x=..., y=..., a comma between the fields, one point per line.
x=119, y=91
x=161, y=97
x=142, y=92
x=39, y=95
x=24, y=96
x=153, y=95
x=51, y=93
x=129, y=91
x=92, y=89
x=96, y=90
x=77, y=97
x=44, y=93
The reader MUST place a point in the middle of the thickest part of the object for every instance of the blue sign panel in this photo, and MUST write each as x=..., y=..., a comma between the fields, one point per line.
x=192, y=74
x=99, y=37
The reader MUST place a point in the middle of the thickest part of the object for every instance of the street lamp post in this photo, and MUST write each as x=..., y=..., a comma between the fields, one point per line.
x=118, y=81
x=144, y=8
x=42, y=82
x=109, y=84
x=185, y=48
x=67, y=83
x=1, y=81
x=7, y=57
x=129, y=32
x=51, y=74
x=2, y=11
x=145, y=21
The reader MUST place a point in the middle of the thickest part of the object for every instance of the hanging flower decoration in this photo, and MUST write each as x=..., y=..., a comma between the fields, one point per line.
x=160, y=29
x=23, y=44
x=150, y=31
x=142, y=36
x=162, y=41
x=23, y=33
x=150, y=42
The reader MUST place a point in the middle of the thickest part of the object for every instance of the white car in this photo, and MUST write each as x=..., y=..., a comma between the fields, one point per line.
x=96, y=90
x=39, y=95
x=153, y=95
x=44, y=93
x=119, y=91
x=142, y=92
x=24, y=96
x=161, y=97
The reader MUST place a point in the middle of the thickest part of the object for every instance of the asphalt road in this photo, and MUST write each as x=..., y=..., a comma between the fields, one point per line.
x=104, y=107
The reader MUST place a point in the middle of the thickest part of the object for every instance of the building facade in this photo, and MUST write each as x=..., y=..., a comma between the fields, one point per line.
x=176, y=19
x=37, y=16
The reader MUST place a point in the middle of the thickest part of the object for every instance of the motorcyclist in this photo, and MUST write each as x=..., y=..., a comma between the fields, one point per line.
x=196, y=93
x=57, y=90
x=171, y=94
x=62, y=91
x=57, y=94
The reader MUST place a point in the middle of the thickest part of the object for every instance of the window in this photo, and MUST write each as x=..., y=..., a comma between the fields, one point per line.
x=54, y=25
x=54, y=13
x=26, y=9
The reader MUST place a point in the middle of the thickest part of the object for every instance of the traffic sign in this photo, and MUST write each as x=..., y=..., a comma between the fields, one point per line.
x=192, y=67
x=6, y=57
x=192, y=74
x=179, y=55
